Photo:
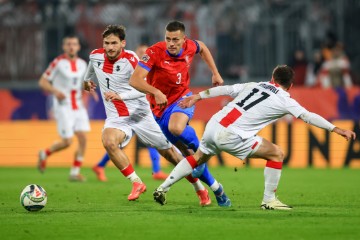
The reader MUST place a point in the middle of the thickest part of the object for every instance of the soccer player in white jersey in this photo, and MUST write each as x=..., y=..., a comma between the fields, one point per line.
x=127, y=110
x=233, y=130
x=157, y=173
x=63, y=79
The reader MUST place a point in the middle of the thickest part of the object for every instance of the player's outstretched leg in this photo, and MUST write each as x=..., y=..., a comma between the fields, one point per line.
x=272, y=174
x=188, y=136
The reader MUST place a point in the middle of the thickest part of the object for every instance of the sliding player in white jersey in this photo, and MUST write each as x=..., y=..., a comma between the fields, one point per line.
x=127, y=109
x=63, y=79
x=233, y=130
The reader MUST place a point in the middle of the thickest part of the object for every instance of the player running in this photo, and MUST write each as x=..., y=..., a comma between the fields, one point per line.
x=63, y=79
x=127, y=110
x=166, y=66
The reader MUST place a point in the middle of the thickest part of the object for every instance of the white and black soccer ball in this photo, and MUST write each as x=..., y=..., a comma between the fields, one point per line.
x=33, y=197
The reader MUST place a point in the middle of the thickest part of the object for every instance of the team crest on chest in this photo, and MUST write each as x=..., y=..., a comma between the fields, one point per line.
x=98, y=63
x=117, y=68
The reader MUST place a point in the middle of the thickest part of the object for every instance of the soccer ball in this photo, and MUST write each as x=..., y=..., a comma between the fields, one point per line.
x=33, y=197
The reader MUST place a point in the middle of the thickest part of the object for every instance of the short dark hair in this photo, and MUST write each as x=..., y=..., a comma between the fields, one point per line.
x=283, y=75
x=174, y=26
x=70, y=36
x=117, y=30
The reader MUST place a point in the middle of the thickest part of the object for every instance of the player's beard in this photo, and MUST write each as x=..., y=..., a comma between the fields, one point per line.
x=112, y=57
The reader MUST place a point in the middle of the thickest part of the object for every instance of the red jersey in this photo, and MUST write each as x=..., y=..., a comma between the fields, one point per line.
x=169, y=73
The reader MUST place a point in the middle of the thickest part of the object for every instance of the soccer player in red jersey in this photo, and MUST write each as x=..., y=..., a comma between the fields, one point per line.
x=165, y=65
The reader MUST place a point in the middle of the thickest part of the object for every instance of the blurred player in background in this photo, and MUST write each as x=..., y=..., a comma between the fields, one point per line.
x=233, y=130
x=63, y=79
x=166, y=66
x=127, y=110
x=157, y=174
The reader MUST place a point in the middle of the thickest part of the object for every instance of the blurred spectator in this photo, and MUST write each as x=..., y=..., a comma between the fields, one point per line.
x=300, y=67
x=314, y=69
x=335, y=72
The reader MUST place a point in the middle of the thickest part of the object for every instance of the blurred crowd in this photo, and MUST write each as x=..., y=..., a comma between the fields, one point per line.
x=242, y=35
x=329, y=67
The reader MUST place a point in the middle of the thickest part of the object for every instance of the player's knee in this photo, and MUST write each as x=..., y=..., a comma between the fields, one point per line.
x=279, y=154
x=176, y=130
x=109, y=145
x=67, y=142
x=81, y=137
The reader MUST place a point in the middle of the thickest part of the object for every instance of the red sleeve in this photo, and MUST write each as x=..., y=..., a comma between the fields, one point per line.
x=193, y=44
x=148, y=60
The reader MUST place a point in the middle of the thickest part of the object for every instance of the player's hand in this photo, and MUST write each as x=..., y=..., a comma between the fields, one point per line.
x=160, y=99
x=217, y=80
x=59, y=95
x=89, y=86
x=189, y=101
x=347, y=134
x=109, y=96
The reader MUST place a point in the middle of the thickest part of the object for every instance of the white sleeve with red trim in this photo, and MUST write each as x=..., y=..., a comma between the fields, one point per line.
x=230, y=90
x=51, y=70
x=316, y=120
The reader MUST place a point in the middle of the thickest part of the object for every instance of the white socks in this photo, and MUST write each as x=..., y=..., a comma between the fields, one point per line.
x=272, y=174
x=182, y=169
x=75, y=169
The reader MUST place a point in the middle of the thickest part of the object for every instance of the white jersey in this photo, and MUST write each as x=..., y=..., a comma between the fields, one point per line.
x=255, y=106
x=114, y=76
x=66, y=75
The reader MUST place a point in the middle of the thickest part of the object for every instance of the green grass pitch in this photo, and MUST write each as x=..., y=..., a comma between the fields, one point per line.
x=326, y=206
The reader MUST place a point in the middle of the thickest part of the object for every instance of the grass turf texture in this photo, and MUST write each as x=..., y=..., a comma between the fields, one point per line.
x=326, y=206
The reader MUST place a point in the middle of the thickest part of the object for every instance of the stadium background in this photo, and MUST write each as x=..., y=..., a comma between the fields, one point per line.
x=247, y=38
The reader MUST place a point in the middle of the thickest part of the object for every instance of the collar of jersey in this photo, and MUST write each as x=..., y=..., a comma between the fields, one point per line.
x=177, y=55
x=67, y=58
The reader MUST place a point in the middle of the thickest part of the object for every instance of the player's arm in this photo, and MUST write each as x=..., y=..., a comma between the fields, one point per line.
x=88, y=84
x=228, y=90
x=46, y=86
x=137, y=81
x=128, y=95
x=320, y=122
x=209, y=60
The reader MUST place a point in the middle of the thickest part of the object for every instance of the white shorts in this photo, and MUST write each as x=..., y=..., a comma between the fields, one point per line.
x=70, y=121
x=145, y=127
x=217, y=138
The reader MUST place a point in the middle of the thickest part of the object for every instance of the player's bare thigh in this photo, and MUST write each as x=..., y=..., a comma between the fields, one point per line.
x=177, y=123
x=112, y=137
x=269, y=151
